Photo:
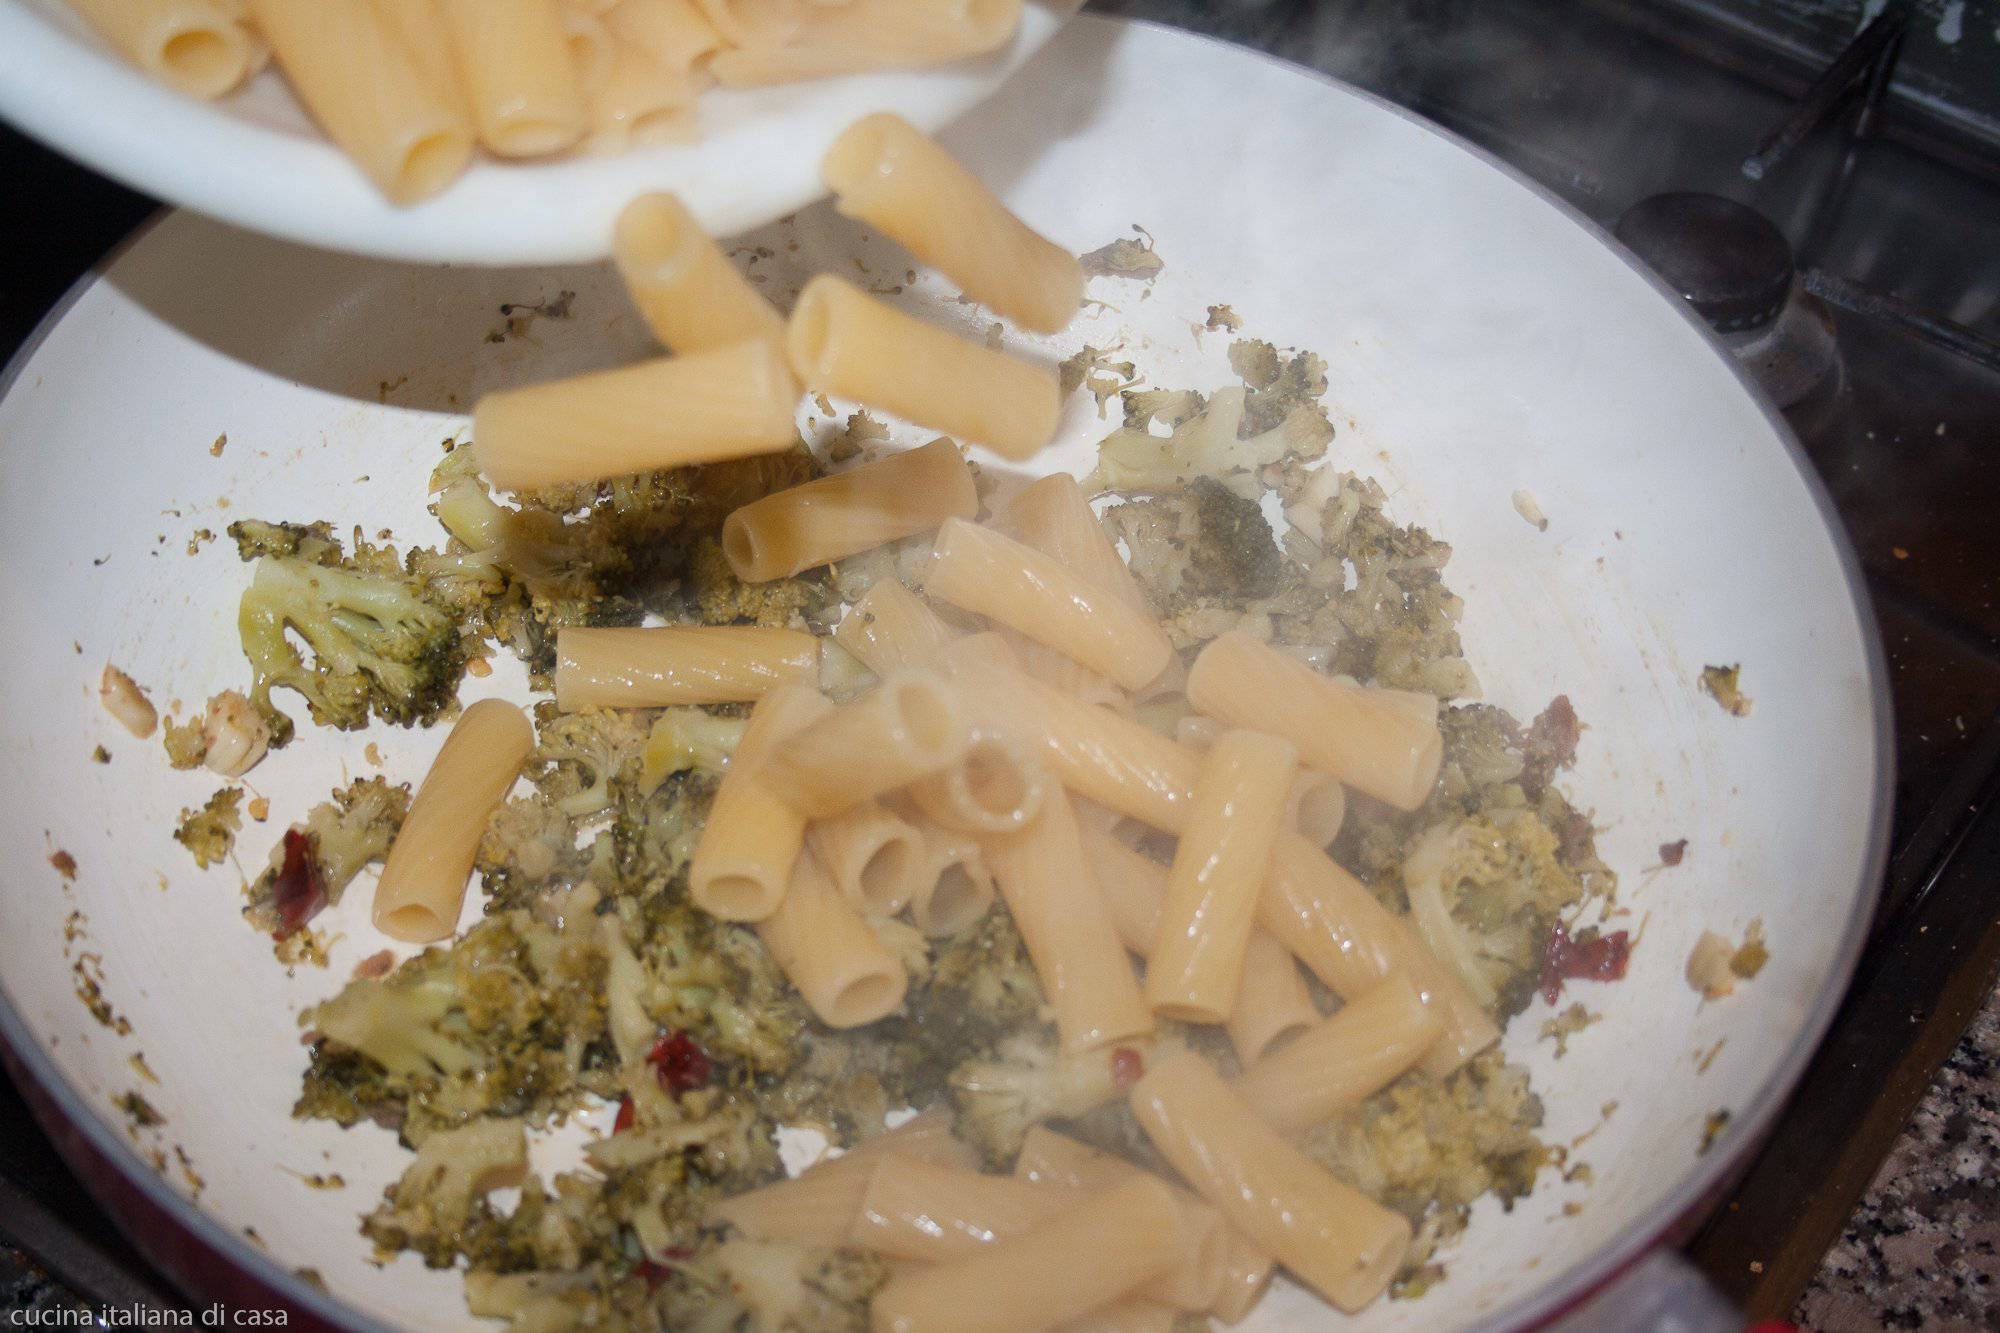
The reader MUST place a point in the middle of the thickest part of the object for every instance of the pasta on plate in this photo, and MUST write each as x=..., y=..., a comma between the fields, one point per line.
x=1078, y=863
x=410, y=89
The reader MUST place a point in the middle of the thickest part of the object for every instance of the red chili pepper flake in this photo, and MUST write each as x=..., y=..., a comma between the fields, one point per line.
x=1587, y=958
x=680, y=1062
x=299, y=886
x=625, y=1116
x=1127, y=1066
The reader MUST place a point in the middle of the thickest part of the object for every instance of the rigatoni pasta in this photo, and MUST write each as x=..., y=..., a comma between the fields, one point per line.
x=196, y=46
x=1117, y=762
x=956, y=888
x=1272, y=1003
x=819, y=1205
x=1195, y=967
x=1341, y=728
x=1196, y=1279
x=1333, y=1238
x=908, y=726
x=873, y=857
x=891, y=628
x=638, y=102
x=660, y=666
x=1070, y=939
x=995, y=576
x=843, y=341
x=1351, y=942
x=743, y=863
x=888, y=174
x=849, y=512
x=731, y=401
x=1053, y=516
x=916, y=1210
x=994, y=787
x=674, y=34
x=1343, y=1060
x=1086, y=1257
x=520, y=76
x=844, y=973
x=424, y=879
x=691, y=296
x=369, y=95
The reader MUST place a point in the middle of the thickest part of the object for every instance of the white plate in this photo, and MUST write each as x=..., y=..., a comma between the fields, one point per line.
x=255, y=160
x=1480, y=341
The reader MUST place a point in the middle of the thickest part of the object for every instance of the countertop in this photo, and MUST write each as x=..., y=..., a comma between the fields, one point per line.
x=1923, y=1250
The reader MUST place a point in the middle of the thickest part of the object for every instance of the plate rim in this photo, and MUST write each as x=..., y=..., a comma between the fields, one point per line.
x=1561, y=1291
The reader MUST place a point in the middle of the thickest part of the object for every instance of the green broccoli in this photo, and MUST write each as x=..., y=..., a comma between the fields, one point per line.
x=317, y=859
x=209, y=833
x=578, y=756
x=379, y=645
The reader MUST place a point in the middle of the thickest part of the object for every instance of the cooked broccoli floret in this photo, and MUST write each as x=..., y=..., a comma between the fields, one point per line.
x=317, y=859
x=378, y=644
x=1428, y=1149
x=578, y=756
x=720, y=598
x=209, y=832
x=529, y=846
x=1026, y=1080
x=686, y=739
x=186, y=747
x=438, y=1194
x=1484, y=893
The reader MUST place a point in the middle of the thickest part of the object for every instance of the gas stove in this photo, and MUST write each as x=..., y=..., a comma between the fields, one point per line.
x=1865, y=138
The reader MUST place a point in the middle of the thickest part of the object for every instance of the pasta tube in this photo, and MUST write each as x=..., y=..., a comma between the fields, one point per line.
x=1332, y=1237
x=914, y=1210
x=1342, y=728
x=1195, y=968
x=1066, y=673
x=637, y=102
x=520, y=74
x=995, y=576
x=908, y=726
x=672, y=33
x=845, y=974
x=1272, y=1003
x=194, y=46
x=1053, y=516
x=591, y=47
x=819, y=1205
x=724, y=402
x=956, y=889
x=691, y=296
x=843, y=341
x=754, y=23
x=891, y=628
x=888, y=174
x=861, y=35
x=419, y=26
x=664, y=665
x=1317, y=807
x=369, y=95
x=849, y=512
x=1133, y=1314
x=994, y=788
x=1195, y=1281
x=1116, y=762
x=1343, y=1060
x=1084, y=1258
x=873, y=857
x=423, y=881
x=1068, y=933
x=752, y=838
x=1344, y=935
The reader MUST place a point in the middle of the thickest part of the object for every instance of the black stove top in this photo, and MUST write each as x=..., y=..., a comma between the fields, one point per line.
x=1606, y=102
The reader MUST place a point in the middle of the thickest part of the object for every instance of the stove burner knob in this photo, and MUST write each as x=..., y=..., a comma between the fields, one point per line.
x=1730, y=262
